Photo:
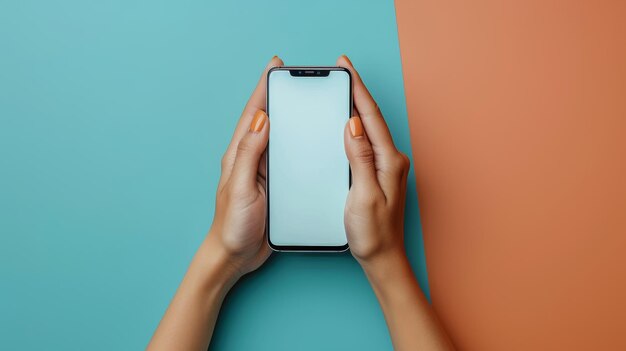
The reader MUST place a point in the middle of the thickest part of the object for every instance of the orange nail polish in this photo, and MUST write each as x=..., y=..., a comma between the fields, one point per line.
x=356, y=127
x=258, y=121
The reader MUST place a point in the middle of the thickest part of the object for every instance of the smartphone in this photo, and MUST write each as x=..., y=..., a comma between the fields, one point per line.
x=308, y=174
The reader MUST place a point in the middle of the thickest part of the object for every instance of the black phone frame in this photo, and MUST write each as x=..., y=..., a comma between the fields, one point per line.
x=304, y=71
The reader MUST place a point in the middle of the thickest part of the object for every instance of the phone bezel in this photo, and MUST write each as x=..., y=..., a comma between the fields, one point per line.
x=298, y=248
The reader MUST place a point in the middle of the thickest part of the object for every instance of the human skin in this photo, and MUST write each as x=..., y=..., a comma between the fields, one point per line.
x=374, y=217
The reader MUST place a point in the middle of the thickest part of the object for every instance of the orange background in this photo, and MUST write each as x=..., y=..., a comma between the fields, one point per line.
x=517, y=112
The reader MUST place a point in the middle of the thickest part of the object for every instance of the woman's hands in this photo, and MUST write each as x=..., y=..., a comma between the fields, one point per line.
x=374, y=214
x=238, y=228
x=237, y=243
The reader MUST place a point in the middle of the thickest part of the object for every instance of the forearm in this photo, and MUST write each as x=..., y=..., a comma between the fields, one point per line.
x=189, y=320
x=411, y=321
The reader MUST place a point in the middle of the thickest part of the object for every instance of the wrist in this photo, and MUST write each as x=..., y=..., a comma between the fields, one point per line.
x=211, y=269
x=392, y=280
x=383, y=268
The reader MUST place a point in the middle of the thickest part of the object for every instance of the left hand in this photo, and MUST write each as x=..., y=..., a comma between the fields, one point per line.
x=236, y=243
x=238, y=229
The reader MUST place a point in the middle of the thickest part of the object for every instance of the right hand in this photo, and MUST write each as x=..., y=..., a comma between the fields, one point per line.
x=374, y=213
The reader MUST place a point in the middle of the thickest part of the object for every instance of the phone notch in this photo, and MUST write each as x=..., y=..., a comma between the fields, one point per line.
x=309, y=72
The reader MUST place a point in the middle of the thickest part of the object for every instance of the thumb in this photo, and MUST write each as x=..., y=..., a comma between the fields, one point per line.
x=250, y=150
x=360, y=154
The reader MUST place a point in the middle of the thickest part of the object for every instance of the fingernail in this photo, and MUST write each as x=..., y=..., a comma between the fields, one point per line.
x=258, y=121
x=356, y=127
x=347, y=59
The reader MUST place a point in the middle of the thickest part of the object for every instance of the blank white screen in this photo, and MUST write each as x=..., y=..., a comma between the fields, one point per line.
x=309, y=174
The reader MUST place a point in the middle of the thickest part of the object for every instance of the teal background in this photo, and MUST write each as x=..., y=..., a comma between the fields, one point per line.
x=113, y=119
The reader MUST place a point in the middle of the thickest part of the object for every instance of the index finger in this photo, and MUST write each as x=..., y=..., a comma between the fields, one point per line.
x=255, y=103
x=373, y=121
x=257, y=99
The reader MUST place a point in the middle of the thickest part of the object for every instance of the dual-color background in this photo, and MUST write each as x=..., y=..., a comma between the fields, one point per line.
x=114, y=115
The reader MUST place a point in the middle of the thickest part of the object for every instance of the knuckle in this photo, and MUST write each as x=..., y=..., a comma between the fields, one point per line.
x=225, y=161
x=406, y=162
x=364, y=154
x=398, y=162
x=244, y=146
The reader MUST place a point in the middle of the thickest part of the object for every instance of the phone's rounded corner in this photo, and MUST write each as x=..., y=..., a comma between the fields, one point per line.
x=273, y=69
x=344, y=248
x=273, y=247
x=343, y=69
